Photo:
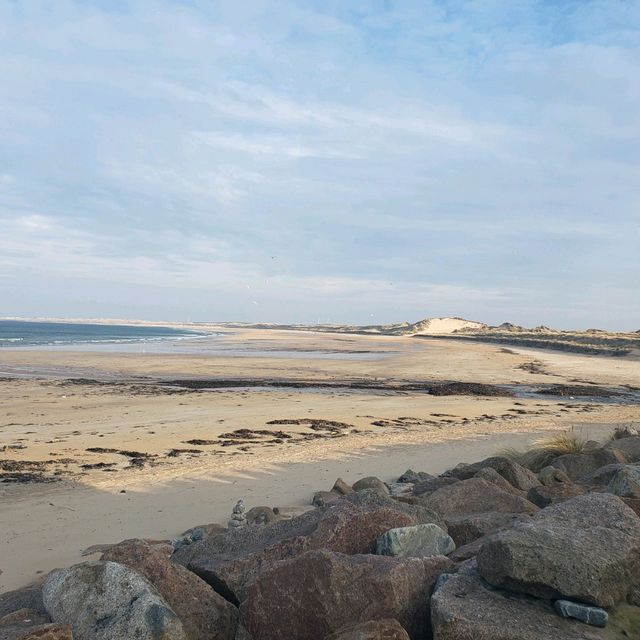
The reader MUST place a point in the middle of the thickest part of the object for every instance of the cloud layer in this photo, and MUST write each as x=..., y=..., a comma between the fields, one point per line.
x=302, y=161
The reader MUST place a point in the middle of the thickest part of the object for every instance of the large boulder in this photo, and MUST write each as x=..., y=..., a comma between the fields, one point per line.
x=419, y=540
x=518, y=476
x=465, y=529
x=321, y=592
x=386, y=629
x=475, y=495
x=108, y=601
x=585, y=549
x=626, y=482
x=230, y=560
x=578, y=465
x=205, y=615
x=466, y=608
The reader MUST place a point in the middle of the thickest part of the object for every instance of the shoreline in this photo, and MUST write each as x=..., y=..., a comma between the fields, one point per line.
x=183, y=456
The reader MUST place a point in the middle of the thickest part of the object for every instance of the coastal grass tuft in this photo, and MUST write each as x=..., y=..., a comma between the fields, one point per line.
x=546, y=450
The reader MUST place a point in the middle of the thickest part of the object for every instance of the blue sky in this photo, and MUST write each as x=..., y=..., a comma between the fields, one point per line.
x=325, y=161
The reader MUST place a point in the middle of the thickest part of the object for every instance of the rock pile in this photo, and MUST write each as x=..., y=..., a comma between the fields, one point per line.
x=485, y=551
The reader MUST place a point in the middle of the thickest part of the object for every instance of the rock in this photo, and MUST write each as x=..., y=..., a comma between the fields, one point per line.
x=324, y=498
x=385, y=629
x=426, y=487
x=400, y=489
x=28, y=624
x=321, y=592
x=602, y=476
x=633, y=504
x=475, y=496
x=24, y=617
x=341, y=487
x=626, y=482
x=413, y=477
x=238, y=519
x=468, y=551
x=243, y=634
x=585, y=549
x=491, y=475
x=634, y=596
x=589, y=615
x=578, y=465
x=629, y=446
x=466, y=529
x=205, y=615
x=466, y=608
x=515, y=474
x=230, y=560
x=418, y=540
x=207, y=530
x=29, y=597
x=543, y=496
x=262, y=515
x=50, y=631
x=371, y=482
x=550, y=476
x=108, y=601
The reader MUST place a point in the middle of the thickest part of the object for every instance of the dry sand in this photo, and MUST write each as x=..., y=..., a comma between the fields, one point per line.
x=47, y=421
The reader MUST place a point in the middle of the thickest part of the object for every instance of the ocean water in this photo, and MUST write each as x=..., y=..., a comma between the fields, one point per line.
x=17, y=333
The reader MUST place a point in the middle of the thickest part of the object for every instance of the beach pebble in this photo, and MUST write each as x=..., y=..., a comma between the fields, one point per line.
x=594, y=616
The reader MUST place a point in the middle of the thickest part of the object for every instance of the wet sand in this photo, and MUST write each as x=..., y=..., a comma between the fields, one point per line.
x=183, y=456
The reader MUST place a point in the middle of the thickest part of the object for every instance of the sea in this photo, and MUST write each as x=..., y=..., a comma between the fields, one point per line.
x=21, y=333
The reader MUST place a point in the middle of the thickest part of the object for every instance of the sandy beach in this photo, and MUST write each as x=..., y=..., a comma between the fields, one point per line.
x=115, y=444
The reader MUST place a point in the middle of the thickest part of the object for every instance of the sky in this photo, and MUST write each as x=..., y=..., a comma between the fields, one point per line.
x=331, y=161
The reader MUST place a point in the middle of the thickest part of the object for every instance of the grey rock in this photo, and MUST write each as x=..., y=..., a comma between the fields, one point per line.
x=414, y=477
x=585, y=549
x=594, y=616
x=400, y=488
x=518, y=476
x=629, y=446
x=579, y=465
x=29, y=597
x=418, y=540
x=373, y=483
x=626, y=482
x=602, y=476
x=491, y=475
x=108, y=601
x=550, y=476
